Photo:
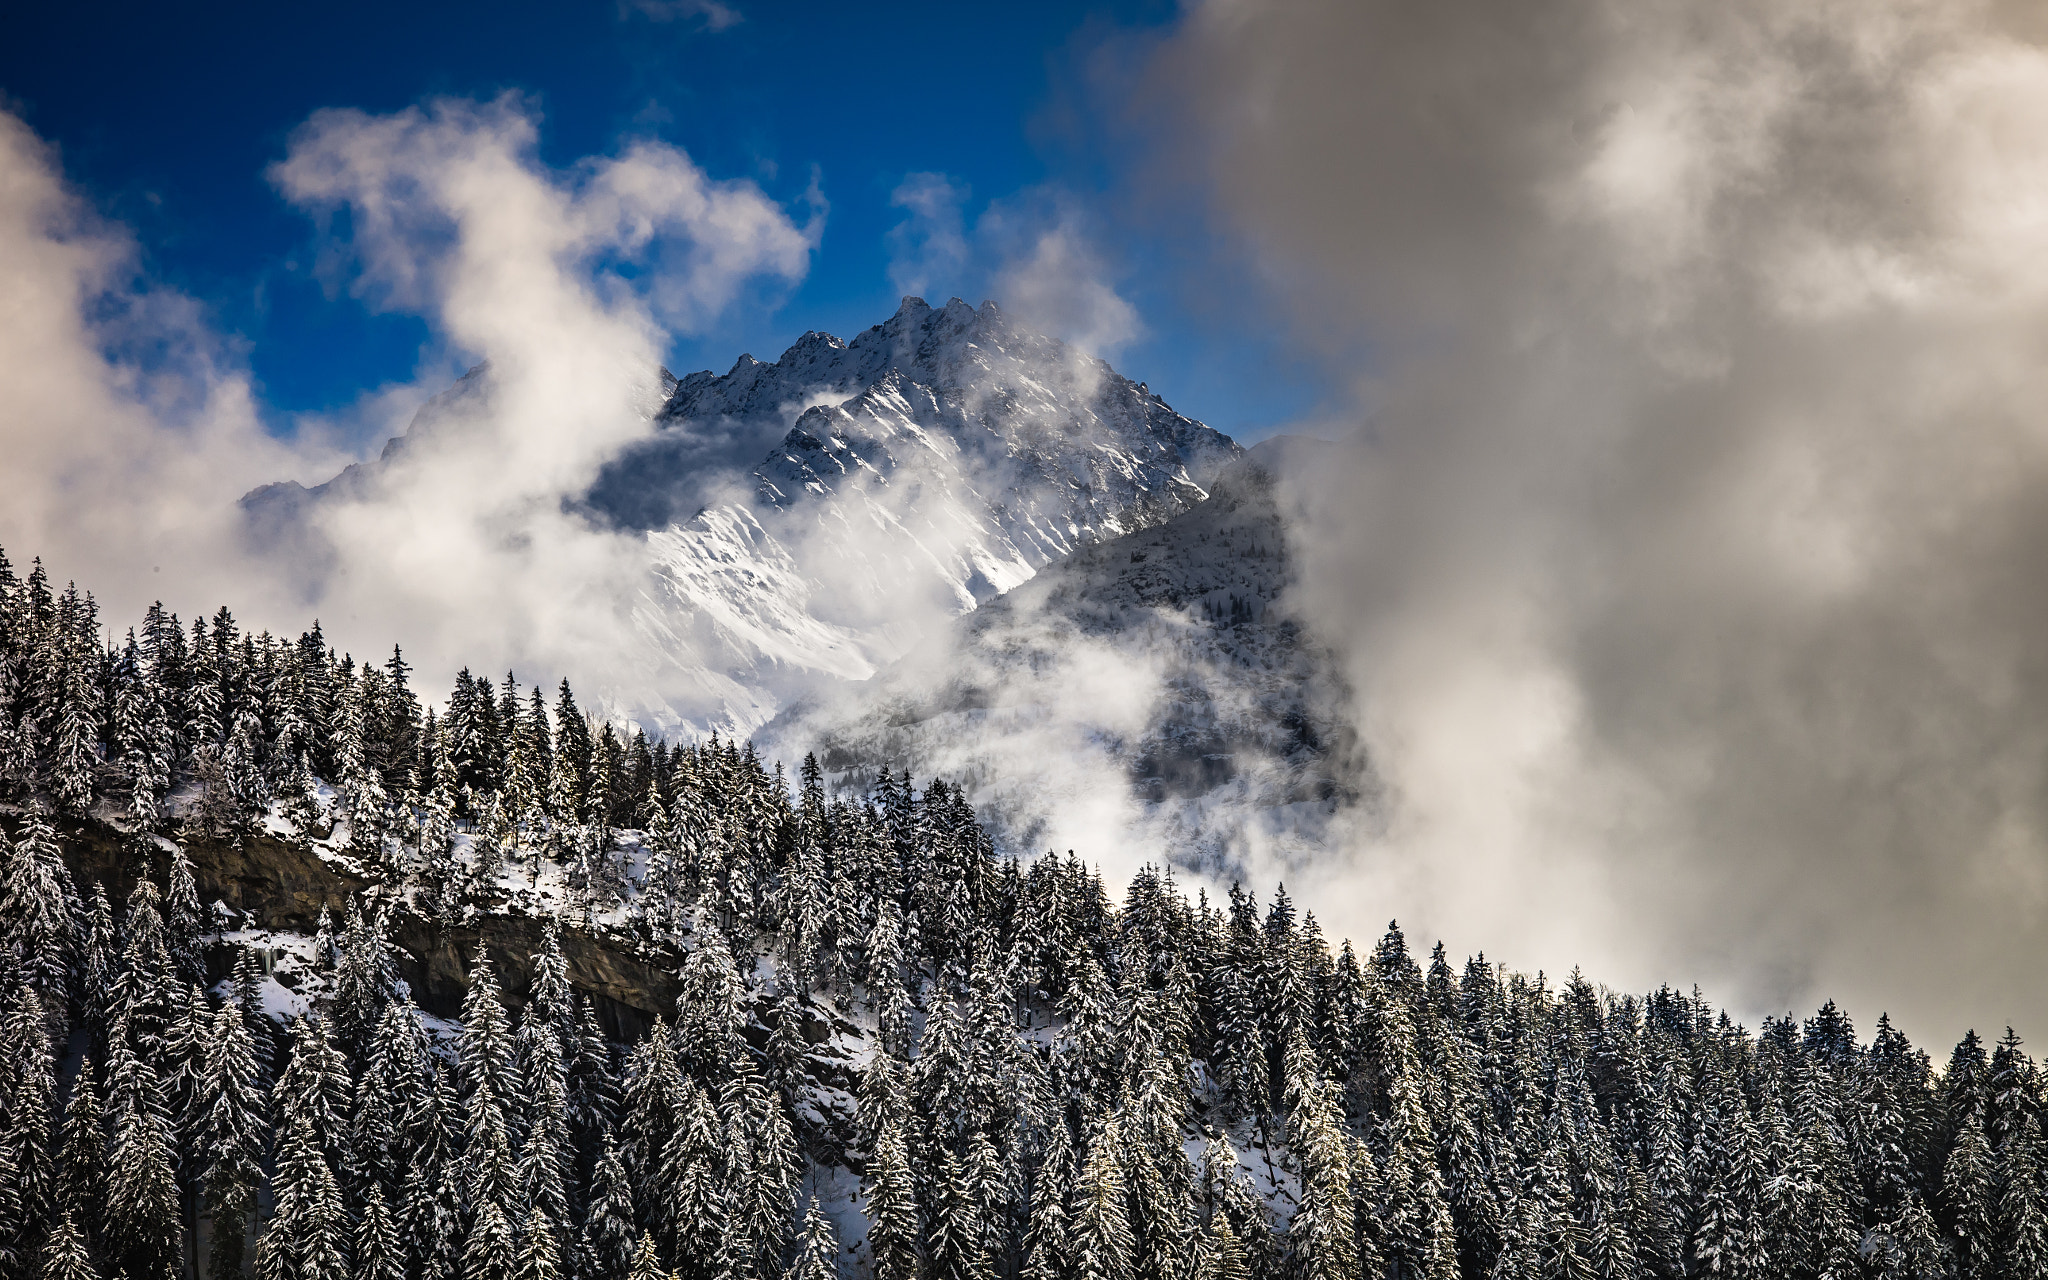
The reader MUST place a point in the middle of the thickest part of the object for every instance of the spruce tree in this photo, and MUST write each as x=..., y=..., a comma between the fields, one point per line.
x=2022, y=1216
x=489, y=1253
x=143, y=1223
x=817, y=1256
x=1968, y=1197
x=37, y=912
x=65, y=1256
x=609, y=1231
x=28, y=1094
x=893, y=1234
x=379, y=1253
x=306, y=1238
x=82, y=1162
x=539, y=1253
x=646, y=1262
x=1046, y=1233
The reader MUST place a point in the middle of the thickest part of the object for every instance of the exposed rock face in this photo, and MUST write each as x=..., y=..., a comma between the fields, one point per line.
x=278, y=885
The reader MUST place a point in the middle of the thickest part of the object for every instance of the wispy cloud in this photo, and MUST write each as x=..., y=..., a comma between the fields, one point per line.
x=714, y=16
x=1034, y=250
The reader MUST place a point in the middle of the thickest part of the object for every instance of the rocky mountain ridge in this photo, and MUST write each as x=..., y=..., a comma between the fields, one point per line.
x=806, y=521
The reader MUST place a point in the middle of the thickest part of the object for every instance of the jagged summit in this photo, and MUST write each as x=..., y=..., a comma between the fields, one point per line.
x=1034, y=397
x=807, y=519
x=937, y=460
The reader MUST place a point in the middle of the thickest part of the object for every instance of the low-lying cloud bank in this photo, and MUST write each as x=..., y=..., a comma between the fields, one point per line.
x=1689, y=557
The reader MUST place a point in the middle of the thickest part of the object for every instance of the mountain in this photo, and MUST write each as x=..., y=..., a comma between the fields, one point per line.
x=806, y=521
x=1157, y=680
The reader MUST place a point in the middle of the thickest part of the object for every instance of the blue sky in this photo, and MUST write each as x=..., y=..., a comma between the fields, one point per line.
x=168, y=118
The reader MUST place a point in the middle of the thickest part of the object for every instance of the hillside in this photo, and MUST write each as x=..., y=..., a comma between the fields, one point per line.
x=878, y=1047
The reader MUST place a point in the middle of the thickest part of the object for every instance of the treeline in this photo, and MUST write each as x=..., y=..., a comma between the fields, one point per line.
x=241, y=725
x=1053, y=1085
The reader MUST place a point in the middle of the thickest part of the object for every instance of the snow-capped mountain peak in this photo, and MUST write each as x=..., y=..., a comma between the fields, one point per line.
x=806, y=519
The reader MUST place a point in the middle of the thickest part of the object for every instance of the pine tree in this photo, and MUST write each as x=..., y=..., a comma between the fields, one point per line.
x=1102, y=1242
x=608, y=1233
x=1047, y=1232
x=28, y=1092
x=817, y=1255
x=37, y=912
x=894, y=1236
x=2022, y=1219
x=65, y=1256
x=184, y=921
x=379, y=1254
x=539, y=1256
x=489, y=1253
x=1972, y=1208
x=143, y=1223
x=306, y=1238
x=646, y=1263
x=82, y=1162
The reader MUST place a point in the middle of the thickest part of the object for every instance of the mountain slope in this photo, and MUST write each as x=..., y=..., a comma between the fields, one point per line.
x=804, y=522
x=1155, y=681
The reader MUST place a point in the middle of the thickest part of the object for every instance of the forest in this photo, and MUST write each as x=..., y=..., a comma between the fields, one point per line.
x=898, y=1051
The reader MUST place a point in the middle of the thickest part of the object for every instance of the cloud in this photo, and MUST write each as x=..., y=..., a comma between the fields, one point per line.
x=929, y=247
x=567, y=282
x=715, y=16
x=1036, y=250
x=1687, y=559
x=126, y=422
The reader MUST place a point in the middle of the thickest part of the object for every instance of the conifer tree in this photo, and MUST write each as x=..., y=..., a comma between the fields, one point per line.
x=1972, y=1208
x=1046, y=1230
x=184, y=921
x=37, y=912
x=232, y=1131
x=608, y=1233
x=65, y=1256
x=646, y=1262
x=893, y=1236
x=539, y=1256
x=2022, y=1219
x=489, y=1253
x=1102, y=1245
x=817, y=1256
x=143, y=1227
x=28, y=1092
x=379, y=1254
x=306, y=1236
x=82, y=1162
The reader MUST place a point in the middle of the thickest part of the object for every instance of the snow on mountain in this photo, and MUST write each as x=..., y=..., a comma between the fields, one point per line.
x=806, y=521
x=1154, y=682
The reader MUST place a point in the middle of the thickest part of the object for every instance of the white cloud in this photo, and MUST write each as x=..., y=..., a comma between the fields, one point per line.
x=567, y=282
x=930, y=245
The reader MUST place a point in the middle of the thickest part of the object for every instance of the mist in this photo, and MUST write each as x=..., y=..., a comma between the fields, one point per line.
x=1687, y=551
